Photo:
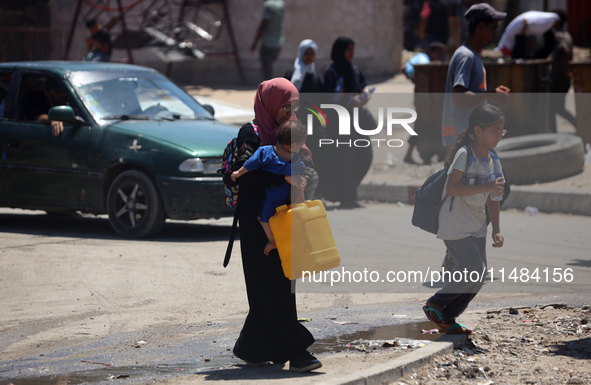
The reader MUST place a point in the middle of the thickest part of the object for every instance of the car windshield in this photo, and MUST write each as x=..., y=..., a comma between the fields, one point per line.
x=110, y=95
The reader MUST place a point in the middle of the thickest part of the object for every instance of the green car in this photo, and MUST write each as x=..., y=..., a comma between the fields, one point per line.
x=108, y=138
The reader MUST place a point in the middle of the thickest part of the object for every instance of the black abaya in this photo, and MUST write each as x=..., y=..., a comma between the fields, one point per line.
x=271, y=331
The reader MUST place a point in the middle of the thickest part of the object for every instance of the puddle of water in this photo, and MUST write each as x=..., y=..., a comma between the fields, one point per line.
x=405, y=334
x=120, y=373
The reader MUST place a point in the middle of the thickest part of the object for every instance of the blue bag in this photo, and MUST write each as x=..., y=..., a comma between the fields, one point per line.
x=425, y=214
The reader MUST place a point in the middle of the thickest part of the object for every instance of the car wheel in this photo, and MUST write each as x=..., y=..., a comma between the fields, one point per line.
x=134, y=205
x=530, y=159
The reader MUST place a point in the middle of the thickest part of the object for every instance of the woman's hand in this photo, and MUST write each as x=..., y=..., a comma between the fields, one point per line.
x=269, y=247
x=361, y=99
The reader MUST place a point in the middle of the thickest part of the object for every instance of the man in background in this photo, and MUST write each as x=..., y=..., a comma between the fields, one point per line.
x=270, y=32
x=99, y=43
x=436, y=52
x=561, y=73
x=465, y=85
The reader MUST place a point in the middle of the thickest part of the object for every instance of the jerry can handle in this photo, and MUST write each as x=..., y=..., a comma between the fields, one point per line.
x=281, y=209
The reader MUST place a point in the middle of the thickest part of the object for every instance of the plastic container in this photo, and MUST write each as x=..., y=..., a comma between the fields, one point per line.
x=472, y=171
x=340, y=85
x=483, y=175
x=314, y=248
x=364, y=95
x=498, y=173
x=339, y=88
x=531, y=211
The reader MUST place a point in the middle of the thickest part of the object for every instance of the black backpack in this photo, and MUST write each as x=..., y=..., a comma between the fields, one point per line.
x=233, y=158
x=428, y=201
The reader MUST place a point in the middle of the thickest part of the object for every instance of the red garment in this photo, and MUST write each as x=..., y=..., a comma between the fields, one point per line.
x=426, y=10
x=270, y=97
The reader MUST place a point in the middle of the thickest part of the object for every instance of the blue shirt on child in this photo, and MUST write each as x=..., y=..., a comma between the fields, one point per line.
x=265, y=158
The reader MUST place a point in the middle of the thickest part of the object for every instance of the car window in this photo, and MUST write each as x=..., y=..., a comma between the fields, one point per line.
x=126, y=95
x=38, y=94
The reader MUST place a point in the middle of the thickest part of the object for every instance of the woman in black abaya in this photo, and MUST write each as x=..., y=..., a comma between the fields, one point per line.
x=271, y=331
x=342, y=169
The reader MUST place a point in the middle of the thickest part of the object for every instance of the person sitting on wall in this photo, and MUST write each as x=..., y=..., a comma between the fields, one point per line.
x=99, y=43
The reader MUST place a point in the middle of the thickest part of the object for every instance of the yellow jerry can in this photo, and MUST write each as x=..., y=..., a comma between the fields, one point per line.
x=313, y=247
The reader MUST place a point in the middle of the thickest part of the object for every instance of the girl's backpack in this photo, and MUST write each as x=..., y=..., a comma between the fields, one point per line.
x=429, y=198
x=428, y=201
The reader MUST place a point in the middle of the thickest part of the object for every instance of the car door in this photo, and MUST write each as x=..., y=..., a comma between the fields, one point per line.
x=41, y=170
x=5, y=80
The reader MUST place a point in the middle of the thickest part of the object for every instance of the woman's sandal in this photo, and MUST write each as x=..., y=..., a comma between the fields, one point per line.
x=458, y=329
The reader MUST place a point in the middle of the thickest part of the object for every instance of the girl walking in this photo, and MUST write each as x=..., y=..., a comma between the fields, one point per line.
x=462, y=219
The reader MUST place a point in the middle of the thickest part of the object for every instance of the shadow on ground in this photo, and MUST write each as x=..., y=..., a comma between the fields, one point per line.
x=90, y=227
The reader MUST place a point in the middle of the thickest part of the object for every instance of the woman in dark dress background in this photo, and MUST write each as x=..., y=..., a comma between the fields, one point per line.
x=342, y=169
x=271, y=331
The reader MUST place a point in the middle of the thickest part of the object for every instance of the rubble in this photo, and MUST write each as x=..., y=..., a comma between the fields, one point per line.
x=547, y=344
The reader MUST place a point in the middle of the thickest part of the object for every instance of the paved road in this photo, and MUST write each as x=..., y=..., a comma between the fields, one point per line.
x=74, y=296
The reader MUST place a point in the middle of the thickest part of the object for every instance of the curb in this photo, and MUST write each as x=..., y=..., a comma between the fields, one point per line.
x=392, y=370
x=520, y=198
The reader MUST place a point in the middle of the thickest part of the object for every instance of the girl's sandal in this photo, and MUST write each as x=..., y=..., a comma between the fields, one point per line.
x=435, y=316
x=458, y=329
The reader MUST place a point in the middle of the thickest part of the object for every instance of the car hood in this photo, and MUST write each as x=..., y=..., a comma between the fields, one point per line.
x=204, y=138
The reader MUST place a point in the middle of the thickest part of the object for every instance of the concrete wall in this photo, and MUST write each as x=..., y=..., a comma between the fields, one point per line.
x=375, y=25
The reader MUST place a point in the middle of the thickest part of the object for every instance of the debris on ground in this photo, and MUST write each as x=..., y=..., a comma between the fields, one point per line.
x=547, y=344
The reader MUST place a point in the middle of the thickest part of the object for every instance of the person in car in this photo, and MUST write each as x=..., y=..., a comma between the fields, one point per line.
x=36, y=104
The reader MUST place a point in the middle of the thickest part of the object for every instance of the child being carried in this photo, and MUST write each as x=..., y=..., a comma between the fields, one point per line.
x=281, y=159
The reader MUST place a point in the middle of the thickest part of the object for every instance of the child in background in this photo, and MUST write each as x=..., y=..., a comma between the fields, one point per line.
x=281, y=159
x=462, y=218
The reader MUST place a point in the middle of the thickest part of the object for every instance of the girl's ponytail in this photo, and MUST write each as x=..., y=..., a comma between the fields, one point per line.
x=465, y=138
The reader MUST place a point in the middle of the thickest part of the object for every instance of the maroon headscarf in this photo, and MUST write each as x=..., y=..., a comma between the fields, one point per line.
x=270, y=97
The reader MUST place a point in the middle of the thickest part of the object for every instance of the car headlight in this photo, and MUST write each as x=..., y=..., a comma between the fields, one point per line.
x=192, y=165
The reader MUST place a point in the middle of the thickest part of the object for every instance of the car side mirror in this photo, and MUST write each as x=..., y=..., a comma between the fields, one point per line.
x=209, y=108
x=64, y=114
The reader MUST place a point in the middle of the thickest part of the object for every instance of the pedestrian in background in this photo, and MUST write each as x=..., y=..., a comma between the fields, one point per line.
x=270, y=32
x=99, y=43
x=434, y=24
x=342, y=169
x=561, y=73
x=436, y=52
x=465, y=85
x=537, y=24
x=303, y=74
